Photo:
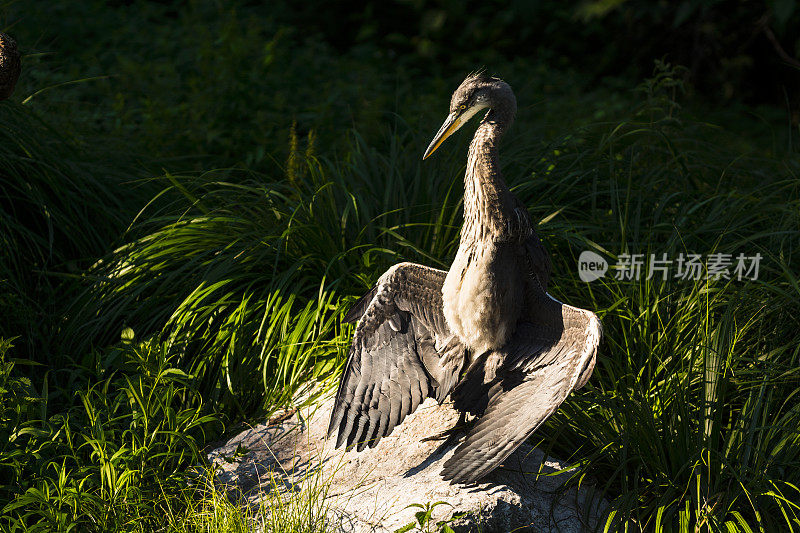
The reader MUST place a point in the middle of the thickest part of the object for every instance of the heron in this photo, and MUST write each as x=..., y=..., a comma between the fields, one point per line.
x=486, y=332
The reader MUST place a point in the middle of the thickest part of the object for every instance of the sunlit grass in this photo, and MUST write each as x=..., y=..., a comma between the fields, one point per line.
x=209, y=507
x=135, y=429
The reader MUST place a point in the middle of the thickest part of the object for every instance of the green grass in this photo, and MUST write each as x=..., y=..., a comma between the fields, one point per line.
x=178, y=256
x=690, y=417
x=132, y=433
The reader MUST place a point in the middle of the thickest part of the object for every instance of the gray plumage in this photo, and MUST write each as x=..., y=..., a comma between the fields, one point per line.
x=486, y=332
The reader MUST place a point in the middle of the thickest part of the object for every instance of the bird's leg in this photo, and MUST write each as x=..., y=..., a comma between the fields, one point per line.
x=452, y=432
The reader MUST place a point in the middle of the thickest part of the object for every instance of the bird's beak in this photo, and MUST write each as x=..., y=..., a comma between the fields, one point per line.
x=451, y=124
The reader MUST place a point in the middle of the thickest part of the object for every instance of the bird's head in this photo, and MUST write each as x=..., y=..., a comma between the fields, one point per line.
x=475, y=93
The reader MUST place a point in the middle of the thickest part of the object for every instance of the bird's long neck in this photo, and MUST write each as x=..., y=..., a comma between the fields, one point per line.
x=488, y=204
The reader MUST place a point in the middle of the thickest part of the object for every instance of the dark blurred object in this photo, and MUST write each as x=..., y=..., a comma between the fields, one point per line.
x=9, y=65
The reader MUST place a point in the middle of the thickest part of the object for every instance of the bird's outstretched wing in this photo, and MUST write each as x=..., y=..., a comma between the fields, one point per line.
x=515, y=389
x=402, y=352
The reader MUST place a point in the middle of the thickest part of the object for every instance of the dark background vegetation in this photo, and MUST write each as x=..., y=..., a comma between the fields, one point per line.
x=193, y=191
x=244, y=55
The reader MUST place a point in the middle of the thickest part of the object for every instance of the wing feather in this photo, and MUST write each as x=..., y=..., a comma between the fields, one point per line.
x=360, y=307
x=539, y=370
x=393, y=364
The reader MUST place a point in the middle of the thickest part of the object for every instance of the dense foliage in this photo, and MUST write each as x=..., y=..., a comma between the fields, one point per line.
x=190, y=201
x=725, y=43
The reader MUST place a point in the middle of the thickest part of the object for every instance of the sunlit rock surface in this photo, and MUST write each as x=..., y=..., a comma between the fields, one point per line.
x=369, y=491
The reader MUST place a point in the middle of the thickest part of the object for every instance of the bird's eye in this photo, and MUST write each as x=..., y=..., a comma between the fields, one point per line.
x=462, y=107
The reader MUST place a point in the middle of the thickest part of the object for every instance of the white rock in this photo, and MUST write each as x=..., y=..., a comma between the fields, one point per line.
x=368, y=491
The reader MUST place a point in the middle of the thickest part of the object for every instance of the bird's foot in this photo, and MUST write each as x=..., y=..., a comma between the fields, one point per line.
x=444, y=434
x=452, y=432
